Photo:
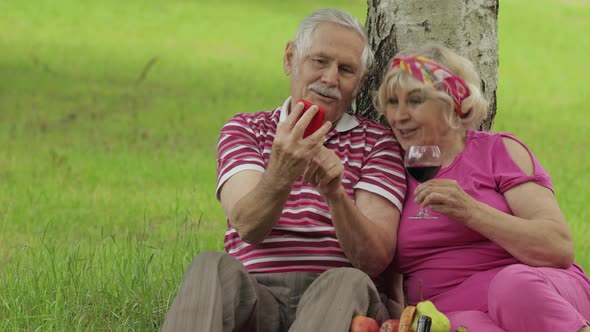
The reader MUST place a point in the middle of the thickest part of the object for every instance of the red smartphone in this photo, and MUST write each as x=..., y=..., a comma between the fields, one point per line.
x=316, y=122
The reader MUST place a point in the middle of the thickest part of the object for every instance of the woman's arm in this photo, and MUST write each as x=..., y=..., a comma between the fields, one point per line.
x=537, y=233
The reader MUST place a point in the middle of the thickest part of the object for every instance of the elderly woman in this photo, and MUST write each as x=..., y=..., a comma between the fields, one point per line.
x=499, y=256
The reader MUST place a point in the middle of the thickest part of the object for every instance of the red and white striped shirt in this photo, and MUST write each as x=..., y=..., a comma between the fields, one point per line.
x=304, y=238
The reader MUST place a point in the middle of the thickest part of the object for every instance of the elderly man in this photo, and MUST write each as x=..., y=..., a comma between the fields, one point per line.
x=311, y=220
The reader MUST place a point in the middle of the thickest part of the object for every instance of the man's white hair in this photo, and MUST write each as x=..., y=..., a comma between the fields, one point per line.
x=304, y=34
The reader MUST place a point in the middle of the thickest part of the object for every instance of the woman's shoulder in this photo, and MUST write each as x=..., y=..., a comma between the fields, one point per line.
x=492, y=140
x=488, y=135
x=504, y=149
x=483, y=140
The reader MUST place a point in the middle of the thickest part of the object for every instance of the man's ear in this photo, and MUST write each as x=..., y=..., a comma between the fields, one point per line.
x=288, y=58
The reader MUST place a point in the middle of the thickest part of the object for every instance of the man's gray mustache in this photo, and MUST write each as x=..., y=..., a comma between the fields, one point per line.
x=325, y=90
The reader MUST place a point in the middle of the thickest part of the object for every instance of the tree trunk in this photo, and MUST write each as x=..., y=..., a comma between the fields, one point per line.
x=468, y=26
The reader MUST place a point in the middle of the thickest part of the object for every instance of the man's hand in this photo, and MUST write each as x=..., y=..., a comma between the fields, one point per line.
x=291, y=153
x=253, y=201
x=325, y=172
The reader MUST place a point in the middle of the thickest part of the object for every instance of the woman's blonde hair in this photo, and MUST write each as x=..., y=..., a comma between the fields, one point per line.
x=475, y=107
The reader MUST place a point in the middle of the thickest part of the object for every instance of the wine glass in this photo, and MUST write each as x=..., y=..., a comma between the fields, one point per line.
x=422, y=162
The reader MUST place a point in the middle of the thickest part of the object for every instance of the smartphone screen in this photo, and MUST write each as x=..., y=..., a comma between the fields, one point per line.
x=316, y=122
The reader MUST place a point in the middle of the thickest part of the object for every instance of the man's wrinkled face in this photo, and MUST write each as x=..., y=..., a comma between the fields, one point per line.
x=329, y=72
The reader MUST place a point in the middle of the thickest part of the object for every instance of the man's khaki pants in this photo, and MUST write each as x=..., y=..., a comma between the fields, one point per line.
x=218, y=294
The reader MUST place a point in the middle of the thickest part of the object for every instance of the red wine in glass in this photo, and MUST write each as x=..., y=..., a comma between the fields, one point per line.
x=422, y=162
x=423, y=173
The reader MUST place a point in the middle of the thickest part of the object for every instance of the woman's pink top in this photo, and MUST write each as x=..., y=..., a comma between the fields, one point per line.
x=442, y=253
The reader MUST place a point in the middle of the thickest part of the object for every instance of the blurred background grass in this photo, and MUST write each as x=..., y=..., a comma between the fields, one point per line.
x=109, y=117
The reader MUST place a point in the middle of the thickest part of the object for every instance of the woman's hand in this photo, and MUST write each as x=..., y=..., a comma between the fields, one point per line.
x=445, y=196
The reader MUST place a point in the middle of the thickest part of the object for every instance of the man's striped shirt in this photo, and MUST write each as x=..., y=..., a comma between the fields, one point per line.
x=304, y=238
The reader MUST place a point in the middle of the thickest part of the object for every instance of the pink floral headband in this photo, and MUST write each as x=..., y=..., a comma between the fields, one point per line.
x=435, y=75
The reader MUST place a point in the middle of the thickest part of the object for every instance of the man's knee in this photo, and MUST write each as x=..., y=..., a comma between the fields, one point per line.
x=212, y=262
x=340, y=272
x=357, y=287
x=205, y=258
x=347, y=277
x=208, y=257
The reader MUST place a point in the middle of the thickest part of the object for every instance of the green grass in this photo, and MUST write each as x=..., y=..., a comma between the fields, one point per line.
x=542, y=98
x=107, y=176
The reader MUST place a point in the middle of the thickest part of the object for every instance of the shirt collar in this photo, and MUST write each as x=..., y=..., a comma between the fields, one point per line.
x=346, y=122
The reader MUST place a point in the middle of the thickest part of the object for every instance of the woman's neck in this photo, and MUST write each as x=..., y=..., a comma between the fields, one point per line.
x=452, y=145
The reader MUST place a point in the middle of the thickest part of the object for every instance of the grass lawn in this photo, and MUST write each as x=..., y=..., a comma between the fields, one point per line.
x=109, y=116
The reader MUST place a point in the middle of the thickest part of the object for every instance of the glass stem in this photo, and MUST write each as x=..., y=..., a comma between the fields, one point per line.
x=422, y=210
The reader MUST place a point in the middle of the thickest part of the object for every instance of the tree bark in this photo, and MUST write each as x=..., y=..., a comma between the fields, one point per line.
x=470, y=27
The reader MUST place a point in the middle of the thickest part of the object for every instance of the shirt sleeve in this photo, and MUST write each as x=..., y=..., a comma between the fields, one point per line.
x=237, y=150
x=508, y=174
x=383, y=171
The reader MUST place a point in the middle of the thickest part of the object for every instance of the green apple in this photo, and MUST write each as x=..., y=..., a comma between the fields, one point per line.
x=440, y=322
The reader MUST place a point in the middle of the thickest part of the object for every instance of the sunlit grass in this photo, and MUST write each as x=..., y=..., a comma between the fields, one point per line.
x=109, y=117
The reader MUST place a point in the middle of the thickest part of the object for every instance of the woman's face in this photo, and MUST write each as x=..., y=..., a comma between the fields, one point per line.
x=417, y=119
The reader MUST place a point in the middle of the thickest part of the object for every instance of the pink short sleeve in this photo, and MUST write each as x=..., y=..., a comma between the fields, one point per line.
x=508, y=174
